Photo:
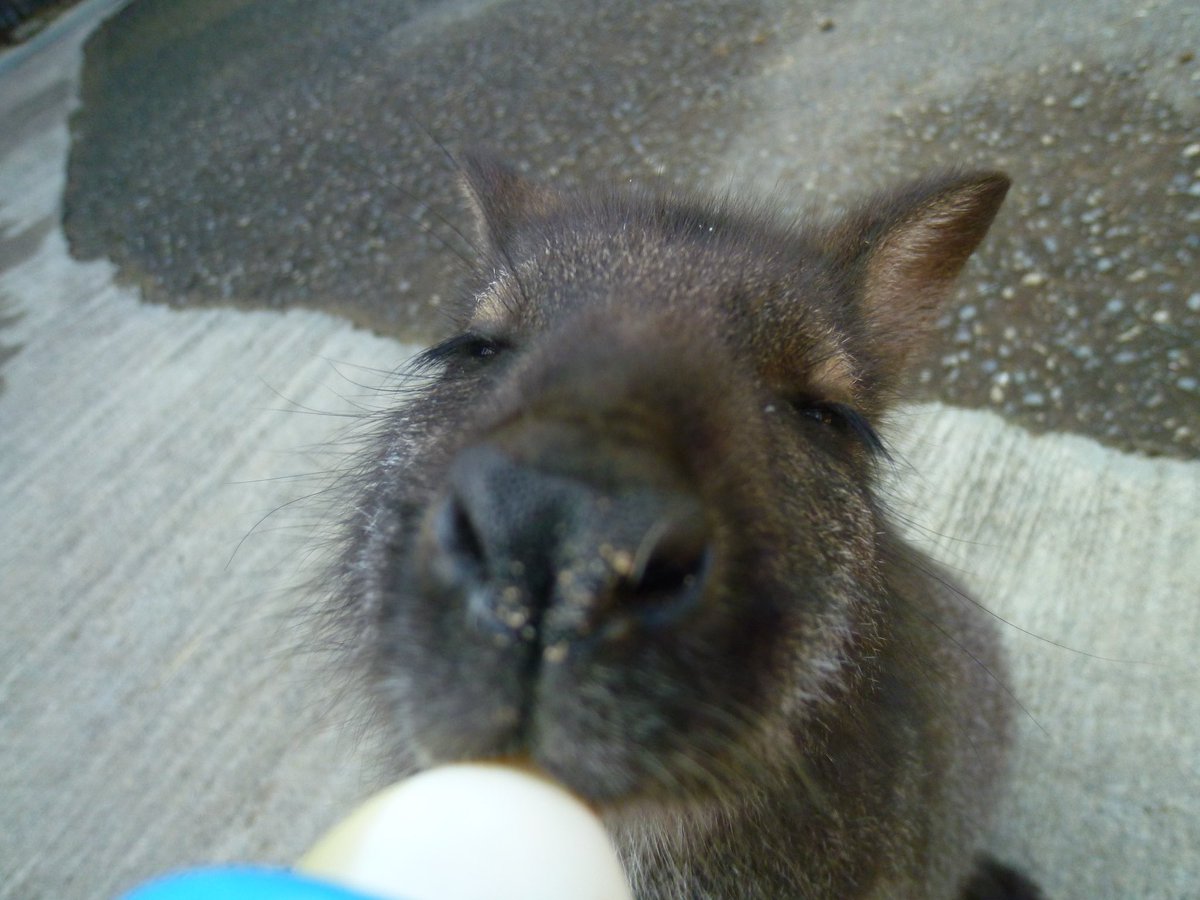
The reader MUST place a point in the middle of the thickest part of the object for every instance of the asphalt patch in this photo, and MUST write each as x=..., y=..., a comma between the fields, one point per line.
x=279, y=153
x=1083, y=312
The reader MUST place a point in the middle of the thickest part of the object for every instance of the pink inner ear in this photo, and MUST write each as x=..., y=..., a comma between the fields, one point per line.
x=912, y=266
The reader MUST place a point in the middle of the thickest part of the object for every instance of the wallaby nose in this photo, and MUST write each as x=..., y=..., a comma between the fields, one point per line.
x=552, y=554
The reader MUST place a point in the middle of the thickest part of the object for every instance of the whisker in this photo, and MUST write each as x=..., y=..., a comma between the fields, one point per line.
x=963, y=595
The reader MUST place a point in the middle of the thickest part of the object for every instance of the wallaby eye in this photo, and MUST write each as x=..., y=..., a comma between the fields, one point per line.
x=818, y=413
x=843, y=418
x=461, y=352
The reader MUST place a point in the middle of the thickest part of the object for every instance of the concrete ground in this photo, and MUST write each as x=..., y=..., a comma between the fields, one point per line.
x=157, y=708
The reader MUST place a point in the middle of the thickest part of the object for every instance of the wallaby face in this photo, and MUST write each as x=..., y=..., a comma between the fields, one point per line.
x=629, y=535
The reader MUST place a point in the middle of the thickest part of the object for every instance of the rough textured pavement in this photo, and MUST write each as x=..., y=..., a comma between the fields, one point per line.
x=154, y=711
x=278, y=154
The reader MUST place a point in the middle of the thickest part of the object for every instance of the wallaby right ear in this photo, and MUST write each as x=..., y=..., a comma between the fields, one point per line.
x=502, y=199
x=906, y=249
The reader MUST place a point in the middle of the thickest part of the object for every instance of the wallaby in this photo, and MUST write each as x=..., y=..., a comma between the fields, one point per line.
x=628, y=533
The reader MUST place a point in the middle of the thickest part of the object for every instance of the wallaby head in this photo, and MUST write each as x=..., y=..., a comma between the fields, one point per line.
x=629, y=534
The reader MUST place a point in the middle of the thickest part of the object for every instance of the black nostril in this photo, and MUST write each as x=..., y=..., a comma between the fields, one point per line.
x=460, y=548
x=465, y=535
x=671, y=564
x=667, y=574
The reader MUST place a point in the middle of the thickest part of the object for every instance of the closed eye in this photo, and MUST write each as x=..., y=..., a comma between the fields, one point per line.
x=845, y=419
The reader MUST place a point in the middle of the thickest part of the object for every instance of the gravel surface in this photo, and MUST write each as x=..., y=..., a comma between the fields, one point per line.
x=279, y=154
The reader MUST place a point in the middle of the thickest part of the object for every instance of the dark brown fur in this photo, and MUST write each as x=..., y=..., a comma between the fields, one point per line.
x=629, y=533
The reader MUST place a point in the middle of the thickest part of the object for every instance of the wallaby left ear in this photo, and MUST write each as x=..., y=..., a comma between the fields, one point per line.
x=502, y=198
x=907, y=248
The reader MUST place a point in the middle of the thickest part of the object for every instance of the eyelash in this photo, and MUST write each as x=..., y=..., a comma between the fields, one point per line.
x=470, y=347
x=466, y=348
x=844, y=418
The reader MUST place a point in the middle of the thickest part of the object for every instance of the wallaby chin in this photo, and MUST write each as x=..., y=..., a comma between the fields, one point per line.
x=629, y=532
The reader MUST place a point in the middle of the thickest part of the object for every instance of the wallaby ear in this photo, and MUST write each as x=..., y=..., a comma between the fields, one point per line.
x=502, y=199
x=907, y=248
